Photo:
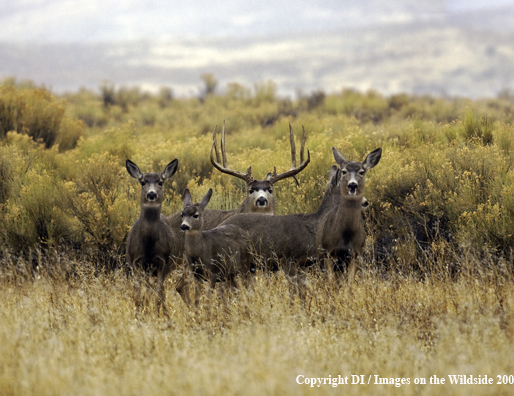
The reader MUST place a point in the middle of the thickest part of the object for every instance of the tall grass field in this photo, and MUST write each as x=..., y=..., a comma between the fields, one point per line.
x=430, y=311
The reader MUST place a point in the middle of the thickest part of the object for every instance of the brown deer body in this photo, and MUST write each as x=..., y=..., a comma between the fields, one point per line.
x=150, y=244
x=341, y=234
x=219, y=253
x=290, y=238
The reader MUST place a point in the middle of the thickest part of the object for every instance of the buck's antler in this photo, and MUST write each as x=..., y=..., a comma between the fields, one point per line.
x=273, y=177
x=248, y=178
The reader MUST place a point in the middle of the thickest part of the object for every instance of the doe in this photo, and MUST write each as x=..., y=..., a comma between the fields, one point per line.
x=217, y=254
x=341, y=234
x=150, y=241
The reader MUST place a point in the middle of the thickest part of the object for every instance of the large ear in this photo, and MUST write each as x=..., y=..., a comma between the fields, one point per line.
x=334, y=175
x=186, y=198
x=206, y=198
x=372, y=159
x=133, y=170
x=170, y=169
x=339, y=158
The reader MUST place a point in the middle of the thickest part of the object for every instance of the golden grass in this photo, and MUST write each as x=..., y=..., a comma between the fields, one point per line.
x=80, y=334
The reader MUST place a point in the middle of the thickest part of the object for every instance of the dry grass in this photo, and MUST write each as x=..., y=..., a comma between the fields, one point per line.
x=436, y=297
x=74, y=330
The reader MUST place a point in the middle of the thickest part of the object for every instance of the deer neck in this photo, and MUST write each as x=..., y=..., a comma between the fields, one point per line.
x=194, y=242
x=349, y=212
x=151, y=213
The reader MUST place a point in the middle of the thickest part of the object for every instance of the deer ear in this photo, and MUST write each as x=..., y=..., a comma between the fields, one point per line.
x=372, y=159
x=334, y=175
x=339, y=158
x=170, y=169
x=206, y=198
x=364, y=203
x=186, y=198
x=133, y=170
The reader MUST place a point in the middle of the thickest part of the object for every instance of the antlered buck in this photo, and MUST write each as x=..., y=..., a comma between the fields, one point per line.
x=259, y=197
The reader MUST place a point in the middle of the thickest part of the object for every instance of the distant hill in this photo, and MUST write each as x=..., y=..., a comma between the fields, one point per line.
x=470, y=54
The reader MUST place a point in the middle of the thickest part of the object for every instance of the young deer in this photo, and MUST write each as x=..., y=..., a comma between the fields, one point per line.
x=341, y=234
x=219, y=253
x=150, y=244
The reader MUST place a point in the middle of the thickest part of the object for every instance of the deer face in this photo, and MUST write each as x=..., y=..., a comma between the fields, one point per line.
x=192, y=219
x=151, y=189
x=352, y=180
x=151, y=183
x=260, y=195
x=352, y=173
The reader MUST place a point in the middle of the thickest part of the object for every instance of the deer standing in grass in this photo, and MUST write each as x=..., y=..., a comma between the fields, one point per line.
x=219, y=253
x=150, y=244
x=341, y=234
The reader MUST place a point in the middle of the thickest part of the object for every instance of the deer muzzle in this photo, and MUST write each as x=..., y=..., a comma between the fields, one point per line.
x=352, y=188
x=261, y=201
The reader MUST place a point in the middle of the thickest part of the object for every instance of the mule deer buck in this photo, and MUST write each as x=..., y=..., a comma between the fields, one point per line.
x=219, y=253
x=150, y=244
x=341, y=234
x=259, y=198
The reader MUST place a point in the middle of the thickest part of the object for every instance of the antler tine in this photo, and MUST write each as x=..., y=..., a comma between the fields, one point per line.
x=293, y=147
x=224, y=168
x=215, y=144
x=302, y=149
x=223, y=147
x=294, y=169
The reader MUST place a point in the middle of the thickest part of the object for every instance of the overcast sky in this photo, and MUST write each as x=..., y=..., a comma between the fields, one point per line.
x=109, y=20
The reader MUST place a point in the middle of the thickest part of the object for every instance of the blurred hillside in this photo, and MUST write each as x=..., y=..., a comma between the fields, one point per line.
x=418, y=48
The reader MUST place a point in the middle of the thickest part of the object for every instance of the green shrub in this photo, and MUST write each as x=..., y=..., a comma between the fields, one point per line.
x=37, y=113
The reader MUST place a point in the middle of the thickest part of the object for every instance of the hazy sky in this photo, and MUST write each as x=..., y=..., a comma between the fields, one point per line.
x=109, y=20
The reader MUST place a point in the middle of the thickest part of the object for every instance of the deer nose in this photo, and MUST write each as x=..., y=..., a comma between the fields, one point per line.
x=261, y=201
x=352, y=187
x=152, y=195
x=184, y=227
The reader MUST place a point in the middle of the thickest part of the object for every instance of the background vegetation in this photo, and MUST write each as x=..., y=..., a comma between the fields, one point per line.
x=436, y=293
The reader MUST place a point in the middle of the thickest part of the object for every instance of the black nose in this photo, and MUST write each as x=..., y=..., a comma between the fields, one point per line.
x=261, y=201
x=352, y=186
x=184, y=227
x=151, y=195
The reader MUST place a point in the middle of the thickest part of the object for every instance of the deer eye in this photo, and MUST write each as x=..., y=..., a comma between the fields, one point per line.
x=344, y=172
x=270, y=190
x=195, y=216
x=361, y=172
x=142, y=183
x=161, y=183
x=251, y=191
